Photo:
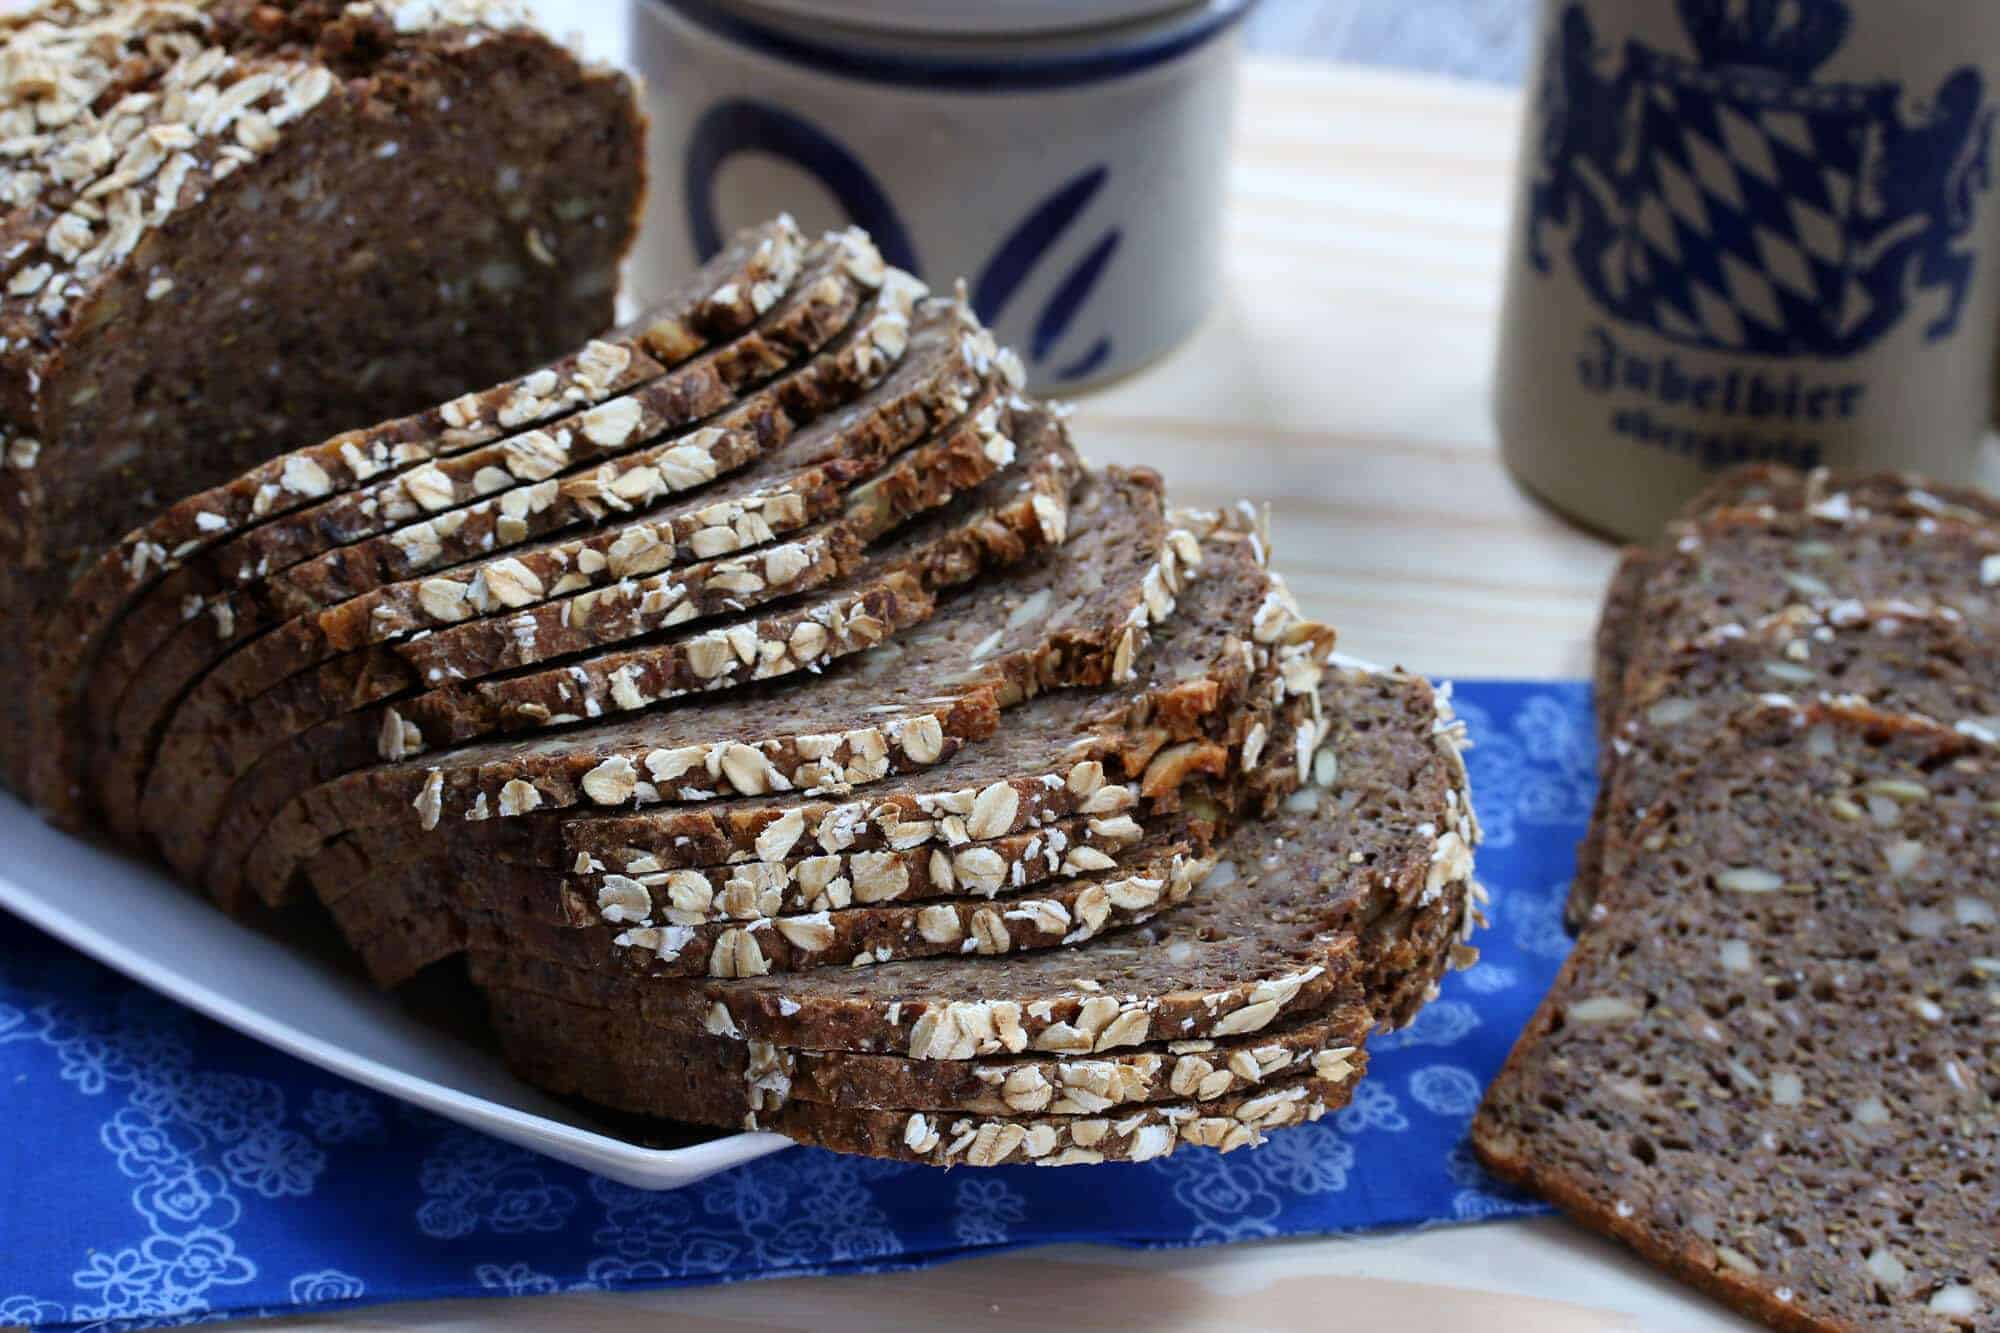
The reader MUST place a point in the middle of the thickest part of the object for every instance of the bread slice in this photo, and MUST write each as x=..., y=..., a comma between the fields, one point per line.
x=1768, y=1068
x=223, y=598
x=636, y=887
x=763, y=259
x=991, y=526
x=1161, y=872
x=542, y=1036
x=1809, y=540
x=177, y=308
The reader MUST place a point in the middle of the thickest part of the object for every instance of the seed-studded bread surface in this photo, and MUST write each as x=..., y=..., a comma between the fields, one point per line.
x=899, y=703
x=1154, y=876
x=223, y=597
x=908, y=706
x=1894, y=657
x=994, y=525
x=762, y=259
x=1763, y=540
x=1268, y=933
x=171, y=231
x=661, y=1078
x=216, y=739
x=1769, y=1067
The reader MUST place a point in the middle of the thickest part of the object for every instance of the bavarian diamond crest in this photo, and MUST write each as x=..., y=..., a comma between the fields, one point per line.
x=1732, y=202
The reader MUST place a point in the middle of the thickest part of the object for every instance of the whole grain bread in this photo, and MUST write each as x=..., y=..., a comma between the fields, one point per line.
x=1895, y=657
x=222, y=597
x=1154, y=876
x=991, y=526
x=1768, y=1068
x=1266, y=935
x=1760, y=540
x=1217, y=620
x=147, y=286
x=541, y=1036
x=1225, y=641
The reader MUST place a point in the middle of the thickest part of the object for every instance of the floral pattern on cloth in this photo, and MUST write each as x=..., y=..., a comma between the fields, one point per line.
x=162, y=1169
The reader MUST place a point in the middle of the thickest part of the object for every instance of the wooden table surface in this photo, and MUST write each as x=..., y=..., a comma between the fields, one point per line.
x=1343, y=381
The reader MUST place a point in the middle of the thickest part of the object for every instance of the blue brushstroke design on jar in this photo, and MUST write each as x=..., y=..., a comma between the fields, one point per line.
x=1074, y=179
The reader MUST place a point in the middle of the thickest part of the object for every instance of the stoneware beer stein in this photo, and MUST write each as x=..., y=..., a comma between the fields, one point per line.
x=1750, y=230
x=1066, y=158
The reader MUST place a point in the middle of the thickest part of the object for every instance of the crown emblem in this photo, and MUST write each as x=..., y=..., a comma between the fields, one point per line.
x=1787, y=39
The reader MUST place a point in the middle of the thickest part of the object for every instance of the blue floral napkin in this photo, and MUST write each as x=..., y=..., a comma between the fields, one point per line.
x=159, y=1168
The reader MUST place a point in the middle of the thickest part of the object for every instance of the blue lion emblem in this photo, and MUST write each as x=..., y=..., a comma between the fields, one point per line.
x=1731, y=202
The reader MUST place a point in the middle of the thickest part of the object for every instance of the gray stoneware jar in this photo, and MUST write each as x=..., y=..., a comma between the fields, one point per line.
x=1066, y=158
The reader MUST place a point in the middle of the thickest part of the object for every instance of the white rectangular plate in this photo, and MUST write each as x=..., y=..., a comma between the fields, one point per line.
x=132, y=917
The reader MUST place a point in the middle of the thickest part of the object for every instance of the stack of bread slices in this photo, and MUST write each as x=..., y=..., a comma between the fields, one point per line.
x=781, y=724
x=1769, y=1065
x=789, y=730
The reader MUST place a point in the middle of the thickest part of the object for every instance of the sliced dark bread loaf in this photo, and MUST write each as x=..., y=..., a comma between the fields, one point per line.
x=1769, y=1069
x=992, y=526
x=216, y=739
x=1815, y=540
x=1896, y=658
x=223, y=597
x=1216, y=617
x=760, y=259
x=1271, y=934
x=1057, y=761
x=168, y=222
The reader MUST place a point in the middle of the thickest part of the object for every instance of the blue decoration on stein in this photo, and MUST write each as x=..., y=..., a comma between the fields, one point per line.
x=1733, y=202
x=742, y=125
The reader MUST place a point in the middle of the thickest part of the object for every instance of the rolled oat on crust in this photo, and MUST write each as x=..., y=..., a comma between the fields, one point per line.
x=169, y=162
x=223, y=597
x=992, y=526
x=1254, y=942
